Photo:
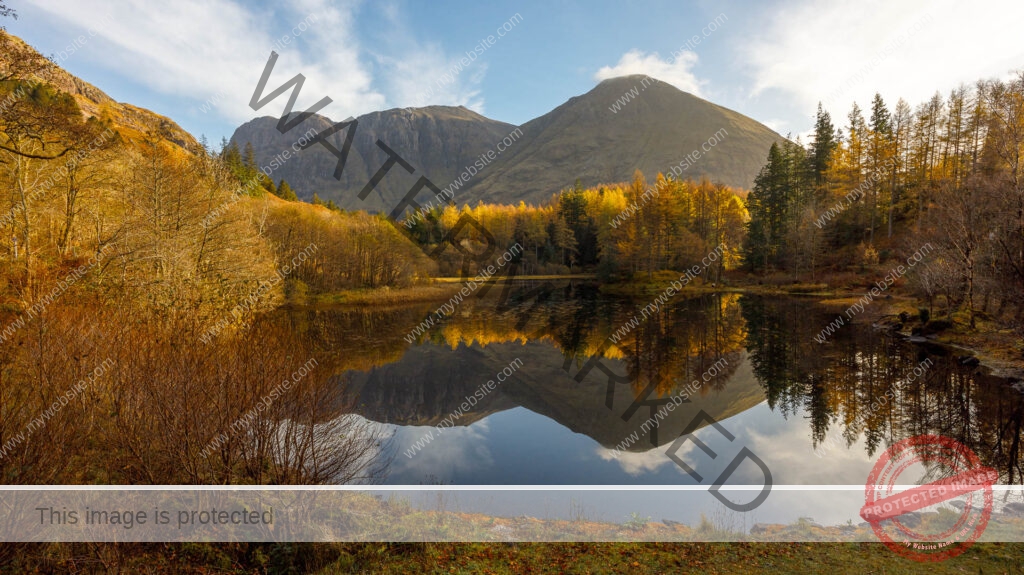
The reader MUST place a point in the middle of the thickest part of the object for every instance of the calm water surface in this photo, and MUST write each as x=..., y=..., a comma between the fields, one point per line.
x=814, y=413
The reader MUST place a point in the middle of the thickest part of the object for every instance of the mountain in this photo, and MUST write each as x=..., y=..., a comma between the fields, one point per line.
x=656, y=129
x=20, y=61
x=438, y=141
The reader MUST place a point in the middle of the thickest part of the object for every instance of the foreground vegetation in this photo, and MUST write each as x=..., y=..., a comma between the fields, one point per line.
x=134, y=270
x=522, y=544
x=513, y=558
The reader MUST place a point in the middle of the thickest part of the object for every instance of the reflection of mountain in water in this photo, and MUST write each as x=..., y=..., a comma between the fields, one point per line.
x=833, y=389
x=430, y=382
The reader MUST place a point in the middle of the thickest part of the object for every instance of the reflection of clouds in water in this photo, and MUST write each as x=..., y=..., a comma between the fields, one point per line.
x=709, y=467
x=651, y=461
x=377, y=437
x=453, y=450
x=788, y=452
x=350, y=447
x=785, y=447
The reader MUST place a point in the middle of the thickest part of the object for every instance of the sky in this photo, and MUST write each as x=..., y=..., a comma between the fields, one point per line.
x=199, y=61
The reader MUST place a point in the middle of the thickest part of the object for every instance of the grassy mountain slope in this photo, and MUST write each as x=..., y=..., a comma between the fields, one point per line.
x=656, y=130
x=583, y=138
x=20, y=61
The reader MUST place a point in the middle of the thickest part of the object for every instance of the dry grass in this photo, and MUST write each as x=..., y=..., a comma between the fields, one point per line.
x=386, y=295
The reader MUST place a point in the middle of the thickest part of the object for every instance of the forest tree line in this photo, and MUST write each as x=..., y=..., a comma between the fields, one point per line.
x=946, y=172
x=620, y=231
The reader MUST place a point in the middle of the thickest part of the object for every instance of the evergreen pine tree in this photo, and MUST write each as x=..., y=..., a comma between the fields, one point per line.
x=881, y=120
x=249, y=158
x=879, y=152
x=285, y=192
x=769, y=206
x=268, y=184
x=825, y=141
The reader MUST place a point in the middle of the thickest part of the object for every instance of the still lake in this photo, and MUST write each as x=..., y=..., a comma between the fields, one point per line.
x=815, y=414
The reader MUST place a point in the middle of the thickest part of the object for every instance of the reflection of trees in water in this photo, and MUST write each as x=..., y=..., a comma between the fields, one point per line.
x=679, y=343
x=559, y=344
x=841, y=386
x=862, y=383
x=359, y=337
x=670, y=348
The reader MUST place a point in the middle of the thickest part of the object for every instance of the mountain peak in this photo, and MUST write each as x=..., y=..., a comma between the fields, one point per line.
x=624, y=124
x=436, y=110
x=624, y=84
x=629, y=79
x=600, y=137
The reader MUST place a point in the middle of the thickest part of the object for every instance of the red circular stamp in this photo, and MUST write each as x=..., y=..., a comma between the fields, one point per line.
x=962, y=475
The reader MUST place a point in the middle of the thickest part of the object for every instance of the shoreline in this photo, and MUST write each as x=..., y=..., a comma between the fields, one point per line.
x=994, y=346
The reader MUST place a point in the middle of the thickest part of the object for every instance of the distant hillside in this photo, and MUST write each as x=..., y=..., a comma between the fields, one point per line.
x=584, y=139
x=20, y=61
x=581, y=139
x=439, y=141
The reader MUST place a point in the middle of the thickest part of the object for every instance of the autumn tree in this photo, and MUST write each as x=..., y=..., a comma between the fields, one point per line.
x=37, y=130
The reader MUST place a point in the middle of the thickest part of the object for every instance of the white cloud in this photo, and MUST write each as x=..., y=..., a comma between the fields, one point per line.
x=839, y=52
x=215, y=50
x=422, y=74
x=426, y=76
x=676, y=71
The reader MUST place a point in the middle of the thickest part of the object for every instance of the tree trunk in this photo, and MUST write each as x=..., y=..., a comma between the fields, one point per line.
x=970, y=288
x=19, y=177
